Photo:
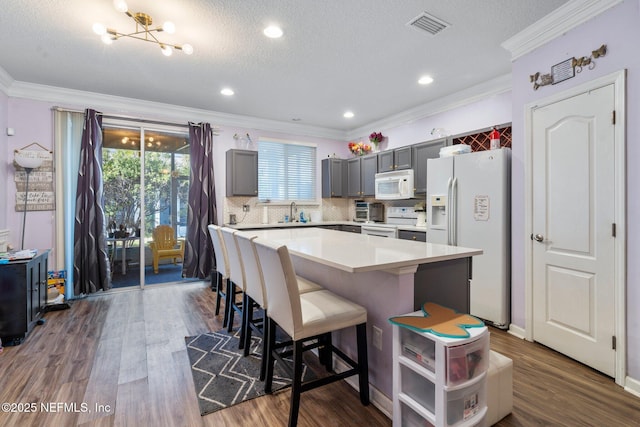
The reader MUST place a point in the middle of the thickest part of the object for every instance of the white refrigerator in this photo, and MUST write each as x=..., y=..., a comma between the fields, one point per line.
x=469, y=204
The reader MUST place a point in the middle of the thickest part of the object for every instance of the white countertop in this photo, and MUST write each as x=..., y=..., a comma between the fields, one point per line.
x=315, y=224
x=357, y=253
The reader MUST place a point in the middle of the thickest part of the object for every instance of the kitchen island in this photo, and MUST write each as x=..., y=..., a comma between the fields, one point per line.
x=387, y=276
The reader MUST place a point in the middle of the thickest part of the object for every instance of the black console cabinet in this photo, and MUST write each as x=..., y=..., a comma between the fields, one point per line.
x=23, y=295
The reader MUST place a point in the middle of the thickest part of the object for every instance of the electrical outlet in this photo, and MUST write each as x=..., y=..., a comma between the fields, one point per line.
x=377, y=338
x=245, y=208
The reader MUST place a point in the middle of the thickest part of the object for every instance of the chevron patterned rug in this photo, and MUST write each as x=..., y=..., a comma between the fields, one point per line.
x=223, y=377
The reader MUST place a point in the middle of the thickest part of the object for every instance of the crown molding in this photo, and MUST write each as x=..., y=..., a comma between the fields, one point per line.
x=558, y=22
x=110, y=104
x=459, y=99
x=5, y=81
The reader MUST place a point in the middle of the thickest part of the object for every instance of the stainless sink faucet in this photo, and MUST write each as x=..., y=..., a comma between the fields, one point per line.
x=293, y=212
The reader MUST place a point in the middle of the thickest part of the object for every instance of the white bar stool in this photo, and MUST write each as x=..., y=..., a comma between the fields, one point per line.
x=256, y=295
x=236, y=279
x=222, y=269
x=305, y=317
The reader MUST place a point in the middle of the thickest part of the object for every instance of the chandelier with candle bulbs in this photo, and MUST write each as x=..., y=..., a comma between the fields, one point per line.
x=143, y=31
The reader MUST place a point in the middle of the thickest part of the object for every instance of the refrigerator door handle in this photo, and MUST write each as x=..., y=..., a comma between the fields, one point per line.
x=454, y=212
x=449, y=210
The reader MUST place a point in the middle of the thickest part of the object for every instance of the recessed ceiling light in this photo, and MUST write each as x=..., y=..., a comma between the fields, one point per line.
x=273, y=32
x=425, y=80
x=227, y=91
x=348, y=114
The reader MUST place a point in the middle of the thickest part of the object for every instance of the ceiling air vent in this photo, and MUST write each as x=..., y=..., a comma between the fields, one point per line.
x=428, y=23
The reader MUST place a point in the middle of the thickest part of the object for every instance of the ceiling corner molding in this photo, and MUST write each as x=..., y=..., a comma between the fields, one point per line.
x=5, y=81
x=71, y=98
x=558, y=22
x=459, y=99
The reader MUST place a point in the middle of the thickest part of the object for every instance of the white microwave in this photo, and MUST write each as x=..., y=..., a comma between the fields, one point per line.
x=396, y=185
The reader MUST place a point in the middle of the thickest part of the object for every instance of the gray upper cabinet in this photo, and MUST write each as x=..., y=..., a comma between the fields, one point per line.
x=385, y=161
x=422, y=152
x=361, y=174
x=353, y=177
x=397, y=159
x=402, y=158
x=333, y=178
x=242, y=173
x=368, y=170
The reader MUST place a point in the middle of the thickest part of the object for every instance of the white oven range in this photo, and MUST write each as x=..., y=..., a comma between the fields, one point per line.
x=395, y=216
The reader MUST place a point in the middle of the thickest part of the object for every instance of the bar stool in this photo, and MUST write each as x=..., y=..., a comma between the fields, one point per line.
x=222, y=268
x=236, y=279
x=255, y=295
x=306, y=317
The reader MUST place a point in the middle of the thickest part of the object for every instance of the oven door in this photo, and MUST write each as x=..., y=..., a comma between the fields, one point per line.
x=380, y=231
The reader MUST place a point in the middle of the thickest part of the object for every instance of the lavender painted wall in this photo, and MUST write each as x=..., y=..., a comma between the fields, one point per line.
x=617, y=28
x=494, y=110
x=32, y=122
x=4, y=156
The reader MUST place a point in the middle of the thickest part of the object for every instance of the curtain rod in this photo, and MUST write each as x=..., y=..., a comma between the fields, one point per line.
x=117, y=116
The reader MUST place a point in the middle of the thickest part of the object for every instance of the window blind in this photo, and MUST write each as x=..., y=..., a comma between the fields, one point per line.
x=286, y=171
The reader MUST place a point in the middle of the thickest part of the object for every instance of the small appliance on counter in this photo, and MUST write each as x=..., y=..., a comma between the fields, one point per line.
x=369, y=212
x=421, y=214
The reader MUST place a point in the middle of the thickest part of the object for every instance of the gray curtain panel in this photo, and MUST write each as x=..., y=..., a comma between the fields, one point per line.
x=198, y=251
x=90, y=259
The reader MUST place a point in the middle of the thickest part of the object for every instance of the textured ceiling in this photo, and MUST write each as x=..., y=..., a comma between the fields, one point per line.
x=335, y=55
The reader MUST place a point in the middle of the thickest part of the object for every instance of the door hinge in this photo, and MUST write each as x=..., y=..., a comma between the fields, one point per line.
x=613, y=342
x=613, y=117
x=613, y=229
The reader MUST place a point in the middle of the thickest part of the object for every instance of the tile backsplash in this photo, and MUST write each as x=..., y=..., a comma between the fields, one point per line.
x=328, y=210
x=334, y=209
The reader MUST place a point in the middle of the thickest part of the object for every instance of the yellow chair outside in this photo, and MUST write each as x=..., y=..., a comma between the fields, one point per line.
x=165, y=245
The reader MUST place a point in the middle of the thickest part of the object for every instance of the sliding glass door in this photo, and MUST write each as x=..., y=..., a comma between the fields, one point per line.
x=146, y=186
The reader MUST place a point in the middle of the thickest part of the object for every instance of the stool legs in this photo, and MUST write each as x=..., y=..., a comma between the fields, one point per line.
x=296, y=384
x=326, y=355
x=270, y=341
x=363, y=363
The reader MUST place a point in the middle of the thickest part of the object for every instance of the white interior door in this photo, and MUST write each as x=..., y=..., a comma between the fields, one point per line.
x=573, y=252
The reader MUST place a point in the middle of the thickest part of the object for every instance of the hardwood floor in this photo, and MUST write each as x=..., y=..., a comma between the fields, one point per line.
x=120, y=360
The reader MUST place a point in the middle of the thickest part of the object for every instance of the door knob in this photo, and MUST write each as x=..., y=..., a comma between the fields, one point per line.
x=537, y=237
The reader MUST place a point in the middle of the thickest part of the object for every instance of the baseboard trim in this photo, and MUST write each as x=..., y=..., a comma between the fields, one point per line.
x=517, y=331
x=632, y=386
x=378, y=399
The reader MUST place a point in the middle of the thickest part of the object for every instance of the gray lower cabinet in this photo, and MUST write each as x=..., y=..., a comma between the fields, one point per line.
x=333, y=178
x=421, y=153
x=420, y=236
x=23, y=295
x=242, y=173
x=397, y=159
x=350, y=228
